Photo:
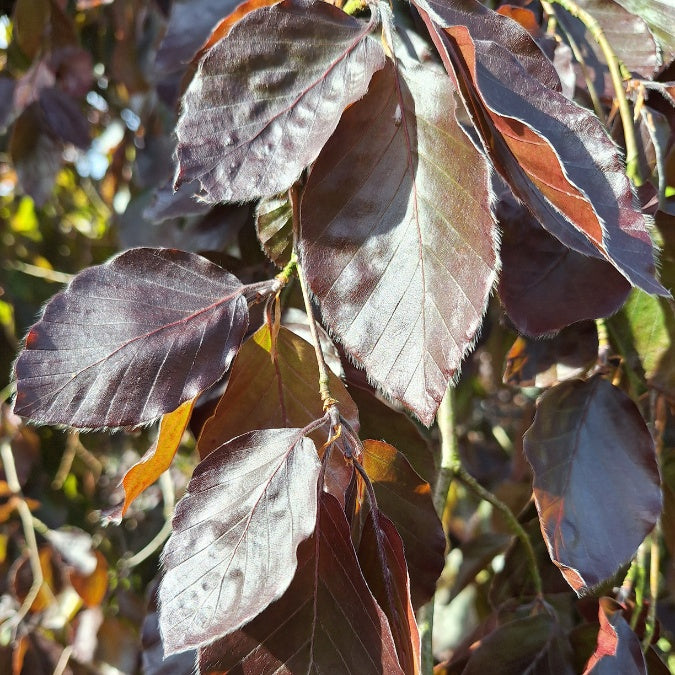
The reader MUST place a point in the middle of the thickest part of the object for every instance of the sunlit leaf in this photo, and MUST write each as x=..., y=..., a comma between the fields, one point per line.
x=596, y=480
x=130, y=340
x=244, y=147
x=397, y=237
x=563, y=155
x=274, y=226
x=327, y=621
x=660, y=16
x=406, y=499
x=91, y=587
x=618, y=650
x=262, y=392
x=159, y=457
x=235, y=534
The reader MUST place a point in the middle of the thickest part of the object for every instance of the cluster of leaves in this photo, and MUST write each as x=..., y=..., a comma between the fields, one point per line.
x=397, y=164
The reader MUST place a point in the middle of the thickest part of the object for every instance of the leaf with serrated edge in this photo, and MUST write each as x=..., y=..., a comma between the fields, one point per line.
x=130, y=340
x=159, y=457
x=235, y=534
x=562, y=148
x=244, y=147
x=583, y=430
x=398, y=242
x=327, y=621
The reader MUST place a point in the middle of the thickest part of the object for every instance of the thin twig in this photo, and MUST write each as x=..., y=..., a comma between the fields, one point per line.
x=469, y=481
x=324, y=390
x=654, y=564
x=28, y=532
x=614, y=65
x=62, y=663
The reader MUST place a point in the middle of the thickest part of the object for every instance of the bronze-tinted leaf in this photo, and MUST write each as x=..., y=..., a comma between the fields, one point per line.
x=391, y=586
x=406, y=499
x=262, y=392
x=596, y=480
x=130, y=340
x=274, y=226
x=235, y=534
x=561, y=150
x=618, y=650
x=315, y=61
x=545, y=285
x=398, y=242
x=327, y=621
x=660, y=16
x=543, y=363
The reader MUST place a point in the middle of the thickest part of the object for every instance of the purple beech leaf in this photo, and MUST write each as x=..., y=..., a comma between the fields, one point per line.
x=660, y=17
x=618, y=650
x=259, y=111
x=563, y=150
x=130, y=340
x=397, y=239
x=248, y=506
x=327, y=621
x=390, y=585
x=190, y=24
x=545, y=286
x=596, y=479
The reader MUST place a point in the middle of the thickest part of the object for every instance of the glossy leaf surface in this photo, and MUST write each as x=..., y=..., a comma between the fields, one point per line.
x=660, y=15
x=130, y=340
x=235, y=534
x=583, y=430
x=314, y=62
x=262, y=391
x=397, y=237
x=561, y=149
x=406, y=499
x=327, y=621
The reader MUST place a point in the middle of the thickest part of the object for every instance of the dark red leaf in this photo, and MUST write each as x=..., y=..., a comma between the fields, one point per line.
x=551, y=152
x=596, y=480
x=660, y=16
x=543, y=363
x=618, y=651
x=190, y=24
x=533, y=645
x=244, y=147
x=64, y=117
x=391, y=587
x=546, y=286
x=262, y=392
x=398, y=241
x=406, y=499
x=248, y=506
x=327, y=621
x=130, y=340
